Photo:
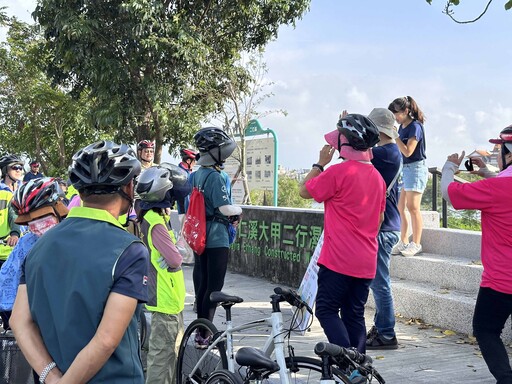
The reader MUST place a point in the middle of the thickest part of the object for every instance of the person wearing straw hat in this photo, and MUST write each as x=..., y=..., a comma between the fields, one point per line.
x=387, y=159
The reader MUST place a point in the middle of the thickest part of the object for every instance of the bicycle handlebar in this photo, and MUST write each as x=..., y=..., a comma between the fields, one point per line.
x=363, y=361
x=292, y=298
x=336, y=351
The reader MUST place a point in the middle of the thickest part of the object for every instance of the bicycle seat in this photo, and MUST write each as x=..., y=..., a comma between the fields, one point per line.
x=221, y=297
x=256, y=359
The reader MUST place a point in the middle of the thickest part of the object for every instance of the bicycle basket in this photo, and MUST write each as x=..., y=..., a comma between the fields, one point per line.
x=14, y=368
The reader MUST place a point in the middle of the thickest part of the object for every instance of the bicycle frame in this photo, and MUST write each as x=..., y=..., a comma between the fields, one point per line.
x=274, y=343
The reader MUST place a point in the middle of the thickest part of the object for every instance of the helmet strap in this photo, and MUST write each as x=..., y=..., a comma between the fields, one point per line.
x=125, y=196
x=504, y=152
x=13, y=182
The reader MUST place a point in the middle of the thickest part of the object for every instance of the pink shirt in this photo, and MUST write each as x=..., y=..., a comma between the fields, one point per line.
x=492, y=198
x=354, y=196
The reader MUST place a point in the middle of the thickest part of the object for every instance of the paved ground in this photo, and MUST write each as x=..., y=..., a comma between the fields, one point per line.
x=426, y=354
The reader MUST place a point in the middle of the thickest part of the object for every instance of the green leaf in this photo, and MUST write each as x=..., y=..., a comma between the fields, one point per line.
x=508, y=5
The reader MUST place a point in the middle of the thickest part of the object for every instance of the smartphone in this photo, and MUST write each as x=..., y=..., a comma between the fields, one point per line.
x=469, y=165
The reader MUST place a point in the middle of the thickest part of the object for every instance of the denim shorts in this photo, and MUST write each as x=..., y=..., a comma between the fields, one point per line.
x=415, y=176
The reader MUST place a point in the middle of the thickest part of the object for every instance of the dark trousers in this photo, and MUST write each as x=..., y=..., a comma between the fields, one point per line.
x=196, y=274
x=213, y=264
x=491, y=312
x=340, y=305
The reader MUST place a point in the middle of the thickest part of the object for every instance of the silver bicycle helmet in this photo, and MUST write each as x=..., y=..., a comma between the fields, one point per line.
x=7, y=160
x=105, y=166
x=155, y=183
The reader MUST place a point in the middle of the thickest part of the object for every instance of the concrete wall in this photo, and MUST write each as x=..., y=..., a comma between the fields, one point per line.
x=276, y=243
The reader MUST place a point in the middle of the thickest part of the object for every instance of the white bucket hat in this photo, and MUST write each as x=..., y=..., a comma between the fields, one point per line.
x=384, y=120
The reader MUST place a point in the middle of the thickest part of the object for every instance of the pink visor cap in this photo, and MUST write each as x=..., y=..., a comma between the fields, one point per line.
x=347, y=152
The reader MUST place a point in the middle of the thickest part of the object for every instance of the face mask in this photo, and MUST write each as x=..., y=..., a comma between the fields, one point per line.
x=41, y=225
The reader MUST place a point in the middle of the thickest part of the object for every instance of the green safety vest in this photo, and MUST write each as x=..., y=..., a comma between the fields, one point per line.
x=122, y=218
x=5, y=230
x=69, y=276
x=166, y=290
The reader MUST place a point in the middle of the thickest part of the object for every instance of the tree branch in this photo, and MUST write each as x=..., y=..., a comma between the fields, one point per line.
x=449, y=12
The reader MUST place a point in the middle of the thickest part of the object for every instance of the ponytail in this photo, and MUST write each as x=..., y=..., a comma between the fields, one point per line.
x=415, y=111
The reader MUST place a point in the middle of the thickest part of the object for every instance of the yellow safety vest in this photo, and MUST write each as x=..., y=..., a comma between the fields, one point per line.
x=5, y=230
x=168, y=294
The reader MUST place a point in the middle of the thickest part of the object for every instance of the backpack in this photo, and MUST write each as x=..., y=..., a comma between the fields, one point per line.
x=194, y=226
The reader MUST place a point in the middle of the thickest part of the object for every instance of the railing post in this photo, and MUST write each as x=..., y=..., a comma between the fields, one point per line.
x=434, y=192
x=445, y=214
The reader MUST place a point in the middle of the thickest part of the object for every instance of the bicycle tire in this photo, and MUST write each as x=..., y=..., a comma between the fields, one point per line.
x=305, y=370
x=189, y=355
x=224, y=376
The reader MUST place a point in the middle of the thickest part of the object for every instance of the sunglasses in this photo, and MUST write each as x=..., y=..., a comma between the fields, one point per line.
x=35, y=165
x=17, y=168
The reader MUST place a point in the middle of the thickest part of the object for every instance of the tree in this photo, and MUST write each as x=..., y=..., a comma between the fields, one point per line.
x=244, y=94
x=36, y=119
x=448, y=9
x=288, y=195
x=156, y=69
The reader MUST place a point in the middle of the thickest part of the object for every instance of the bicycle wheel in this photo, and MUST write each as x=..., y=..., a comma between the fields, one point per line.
x=224, y=376
x=305, y=370
x=190, y=352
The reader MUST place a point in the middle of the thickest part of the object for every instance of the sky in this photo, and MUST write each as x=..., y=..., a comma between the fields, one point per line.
x=361, y=54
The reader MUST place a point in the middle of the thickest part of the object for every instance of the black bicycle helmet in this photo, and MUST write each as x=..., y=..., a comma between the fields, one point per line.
x=105, y=166
x=7, y=160
x=360, y=131
x=214, y=145
x=35, y=194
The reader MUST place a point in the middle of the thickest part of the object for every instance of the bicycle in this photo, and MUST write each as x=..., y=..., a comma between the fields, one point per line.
x=257, y=365
x=198, y=363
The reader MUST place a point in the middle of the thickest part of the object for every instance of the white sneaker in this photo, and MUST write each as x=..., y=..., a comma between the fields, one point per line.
x=412, y=249
x=398, y=248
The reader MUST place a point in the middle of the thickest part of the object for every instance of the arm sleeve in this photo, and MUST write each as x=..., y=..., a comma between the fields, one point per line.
x=230, y=210
x=447, y=177
x=163, y=243
x=131, y=271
